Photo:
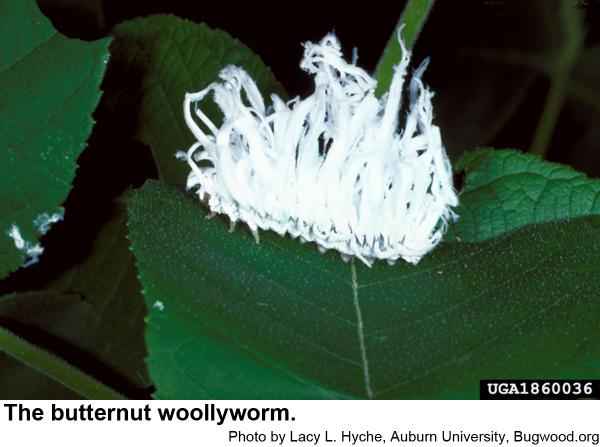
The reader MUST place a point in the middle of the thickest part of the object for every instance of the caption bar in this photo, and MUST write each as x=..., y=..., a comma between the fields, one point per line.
x=303, y=423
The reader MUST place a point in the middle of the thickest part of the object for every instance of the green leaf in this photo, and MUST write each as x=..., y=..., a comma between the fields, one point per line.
x=107, y=278
x=507, y=189
x=229, y=318
x=54, y=367
x=19, y=381
x=413, y=19
x=47, y=319
x=104, y=332
x=171, y=56
x=50, y=87
x=43, y=316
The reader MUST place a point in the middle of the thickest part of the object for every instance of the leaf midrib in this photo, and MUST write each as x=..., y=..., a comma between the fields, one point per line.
x=360, y=333
x=248, y=348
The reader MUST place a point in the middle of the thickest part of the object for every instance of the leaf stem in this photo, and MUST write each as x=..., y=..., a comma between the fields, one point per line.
x=570, y=51
x=413, y=18
x=54, y=367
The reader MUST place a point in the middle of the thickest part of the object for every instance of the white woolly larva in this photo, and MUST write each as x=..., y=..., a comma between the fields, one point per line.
x=335, y=168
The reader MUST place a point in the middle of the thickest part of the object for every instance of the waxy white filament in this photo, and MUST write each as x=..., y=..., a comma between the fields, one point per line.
x=333, y=168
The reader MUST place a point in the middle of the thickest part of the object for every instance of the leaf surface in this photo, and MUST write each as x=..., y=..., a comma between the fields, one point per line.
x=507, y=189
x=169, y=57
x=107, y=278
x=229, y=318
x=56, y=322
x=50, y=87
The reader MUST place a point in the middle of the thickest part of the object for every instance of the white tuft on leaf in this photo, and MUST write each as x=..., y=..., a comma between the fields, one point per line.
x=32, y=251
x=44, y=221
x=336, y=168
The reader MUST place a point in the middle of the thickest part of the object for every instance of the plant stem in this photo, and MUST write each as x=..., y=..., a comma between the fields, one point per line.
x=54, y=367
x=570, y=51
x=413, y=18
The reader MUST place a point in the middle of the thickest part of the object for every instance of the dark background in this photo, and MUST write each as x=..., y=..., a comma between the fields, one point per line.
x=493, y=64
x=482, y=99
